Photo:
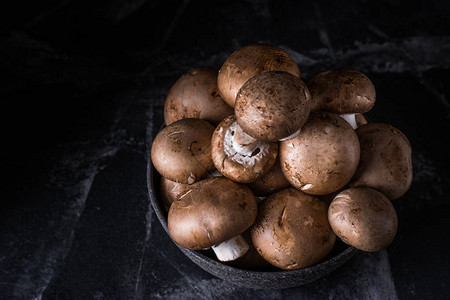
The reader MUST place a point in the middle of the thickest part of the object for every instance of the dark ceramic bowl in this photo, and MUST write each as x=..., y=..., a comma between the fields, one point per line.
x=271, y=279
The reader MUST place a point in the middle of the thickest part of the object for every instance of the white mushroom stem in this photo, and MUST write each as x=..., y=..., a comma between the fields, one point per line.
x=231, y=249
x=242, y=142
x=242, y=138
x=291, y=136
x=242, y=148
x=350, y=118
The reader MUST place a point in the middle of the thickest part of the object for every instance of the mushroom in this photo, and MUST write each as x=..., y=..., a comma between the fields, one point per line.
x=342, y=91
x=363, y=218
x=323, y=157
x=272, y=182
x=170, y=190
x=238, y=156
x=386, y=162
x=250, y=61
x=213, y=213
x=181, y=151
x=195, y=95
x=272, y=106
x=292, y=230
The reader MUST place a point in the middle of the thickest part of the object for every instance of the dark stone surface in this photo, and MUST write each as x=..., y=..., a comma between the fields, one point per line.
x=83, y=85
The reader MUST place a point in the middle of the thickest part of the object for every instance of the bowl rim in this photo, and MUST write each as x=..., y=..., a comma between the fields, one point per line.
x=158, y=208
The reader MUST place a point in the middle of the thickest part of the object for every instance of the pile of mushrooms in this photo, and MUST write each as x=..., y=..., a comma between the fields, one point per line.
x=268, y=170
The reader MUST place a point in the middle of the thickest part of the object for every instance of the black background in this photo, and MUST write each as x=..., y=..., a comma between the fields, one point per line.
x=82, y=88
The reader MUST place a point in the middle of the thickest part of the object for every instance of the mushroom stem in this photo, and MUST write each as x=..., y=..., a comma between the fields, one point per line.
x=351, y=119
x=231, y=249
x=242, y=138
x=241, y=142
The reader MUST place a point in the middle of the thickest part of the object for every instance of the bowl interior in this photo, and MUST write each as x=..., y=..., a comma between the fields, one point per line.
x=271, y=278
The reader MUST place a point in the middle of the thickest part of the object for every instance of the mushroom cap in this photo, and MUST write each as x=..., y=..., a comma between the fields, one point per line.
x=170, y=190
x=249, y=61
x=323, y=157
x=272, y=182
x=195, y=95
x=342, y=91
x=210, y=212
x=181, y=151
x=292, y=230
x=386, y=162
x=363, y=218
x=272, y=106
x=242, y=168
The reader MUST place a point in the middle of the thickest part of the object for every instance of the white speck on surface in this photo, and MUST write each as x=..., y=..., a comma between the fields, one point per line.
x=182, y=196
x=191, y=178
x=306, y=186
x=291, y=136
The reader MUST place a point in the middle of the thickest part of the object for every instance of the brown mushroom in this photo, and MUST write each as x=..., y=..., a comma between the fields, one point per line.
x=195, y=95
x=181, y=151
x=272, y=106
x=272, y=182
x=323, y=157
x=386, y=162
x=292, y=230
x=342, y=91
x=250, y=61
x=363, y=218
x=239, y=156
x=170, y=190
x=213, y=213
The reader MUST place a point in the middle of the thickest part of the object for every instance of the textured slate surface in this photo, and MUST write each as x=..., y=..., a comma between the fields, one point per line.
x=83, y=85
